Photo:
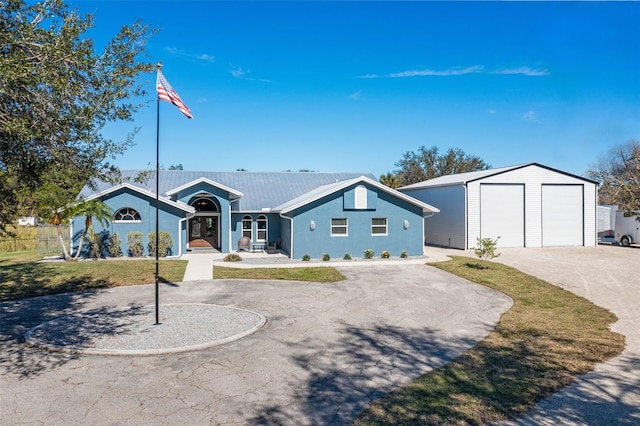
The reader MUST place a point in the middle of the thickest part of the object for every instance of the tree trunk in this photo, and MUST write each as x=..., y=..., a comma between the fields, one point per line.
x=64, y=246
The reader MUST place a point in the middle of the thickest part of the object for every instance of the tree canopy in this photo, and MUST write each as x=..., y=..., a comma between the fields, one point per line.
x=618, y=172
x=429, y=163
x=57, y=92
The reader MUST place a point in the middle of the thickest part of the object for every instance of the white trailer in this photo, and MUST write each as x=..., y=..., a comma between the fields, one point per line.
x=627, y=228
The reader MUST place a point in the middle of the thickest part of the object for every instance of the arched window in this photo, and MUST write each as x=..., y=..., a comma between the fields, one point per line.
x=126, y=214
x=361, y=197
x=262, y=228
x=247, y=227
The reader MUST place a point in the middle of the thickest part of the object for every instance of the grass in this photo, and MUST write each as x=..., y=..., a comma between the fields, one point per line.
x=539, y=346
x=320, y=274
x=21, y=277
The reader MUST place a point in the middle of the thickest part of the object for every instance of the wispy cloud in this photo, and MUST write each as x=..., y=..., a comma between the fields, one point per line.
x=530, y=116
x=355, y=95
x=447, y=72
x=533, y=72
x=239, y=72
x=492, y=111
x=174, y=51
x=455, y=71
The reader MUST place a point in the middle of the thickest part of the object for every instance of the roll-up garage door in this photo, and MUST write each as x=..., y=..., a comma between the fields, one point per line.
x=502, y=214
x=562, y=215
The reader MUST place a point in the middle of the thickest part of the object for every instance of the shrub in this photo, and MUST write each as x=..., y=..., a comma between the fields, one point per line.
x=368, y=254
x=97, y=243
x=326, y=257
x=232, y=257
x=306, y=257
x=134, y=243
x=385, y=255
x=486, y=248
x=114, y=245
x=346, y=256
x=404, y=254
x=165, y=242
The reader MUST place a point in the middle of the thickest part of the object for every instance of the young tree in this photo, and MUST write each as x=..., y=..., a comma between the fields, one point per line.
x=618, y=172
x=428, y=163
x=57, y=93
x=91, y=209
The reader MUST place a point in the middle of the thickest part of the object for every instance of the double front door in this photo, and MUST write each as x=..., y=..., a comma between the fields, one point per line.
x=203, y=231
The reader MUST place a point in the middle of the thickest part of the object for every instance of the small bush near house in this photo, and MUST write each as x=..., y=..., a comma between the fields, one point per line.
x=346, y=256
x=113, y=245
x=385, y=255
x=165, y=242
x=97, y=244
x=404, y=254
x=306, y=257
x=368, y=254
x=134, y=243
x=326, y=257
x=233, y=257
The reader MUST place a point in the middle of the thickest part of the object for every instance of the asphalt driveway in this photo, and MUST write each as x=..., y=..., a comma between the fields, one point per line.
x=325, y=352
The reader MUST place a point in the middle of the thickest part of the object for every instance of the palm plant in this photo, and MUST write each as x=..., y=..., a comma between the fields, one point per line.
x=55, y=206
x=91, y=209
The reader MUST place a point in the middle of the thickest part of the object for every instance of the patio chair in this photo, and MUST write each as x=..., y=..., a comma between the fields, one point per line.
x=244, y=244
x=273, y=246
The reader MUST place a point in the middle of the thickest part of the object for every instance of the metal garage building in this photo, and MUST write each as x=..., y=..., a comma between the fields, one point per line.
x=529, y=205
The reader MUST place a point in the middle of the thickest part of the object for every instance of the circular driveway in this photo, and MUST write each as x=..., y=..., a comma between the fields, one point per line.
x=325, y=352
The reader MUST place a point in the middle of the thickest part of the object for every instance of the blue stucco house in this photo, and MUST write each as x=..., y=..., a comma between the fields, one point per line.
x=306, y=213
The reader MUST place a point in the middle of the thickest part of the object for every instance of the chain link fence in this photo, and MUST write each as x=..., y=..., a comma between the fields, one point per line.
x=45, y=240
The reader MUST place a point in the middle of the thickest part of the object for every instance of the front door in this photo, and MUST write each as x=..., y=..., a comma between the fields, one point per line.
x=203, y=231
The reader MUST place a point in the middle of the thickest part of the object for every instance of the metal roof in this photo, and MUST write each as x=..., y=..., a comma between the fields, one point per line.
x=464, y=178
x=259, y=190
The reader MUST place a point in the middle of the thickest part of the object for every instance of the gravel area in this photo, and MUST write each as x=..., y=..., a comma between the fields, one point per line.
x=132, y=330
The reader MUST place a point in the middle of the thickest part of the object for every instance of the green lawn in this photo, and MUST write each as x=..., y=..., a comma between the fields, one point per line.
x=21, y=276
x=320, y=274
x=539, y=346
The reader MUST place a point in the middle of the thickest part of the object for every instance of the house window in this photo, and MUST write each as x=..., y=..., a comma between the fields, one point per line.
x=126, y=214
x=361, y=197
x=262, y=228
x=247, y=227
x=339, y=227
x=379, y=226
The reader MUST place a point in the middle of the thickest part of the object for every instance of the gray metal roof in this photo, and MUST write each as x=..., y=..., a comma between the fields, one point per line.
x=259, y=189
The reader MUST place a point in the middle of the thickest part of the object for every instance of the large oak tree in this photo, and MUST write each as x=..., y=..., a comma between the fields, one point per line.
x=429, y=163
x=57, y=92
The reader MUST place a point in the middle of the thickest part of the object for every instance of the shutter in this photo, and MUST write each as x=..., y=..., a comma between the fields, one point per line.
x=502, y=214
x=562, y=215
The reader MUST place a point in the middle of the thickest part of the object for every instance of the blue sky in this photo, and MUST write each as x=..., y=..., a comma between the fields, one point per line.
x=352, y=86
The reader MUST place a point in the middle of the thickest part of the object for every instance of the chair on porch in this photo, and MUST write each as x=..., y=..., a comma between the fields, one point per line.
x=244, y=244
x=273, y=246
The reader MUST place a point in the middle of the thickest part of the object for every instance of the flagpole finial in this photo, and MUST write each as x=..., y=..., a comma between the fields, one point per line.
x=159, y=65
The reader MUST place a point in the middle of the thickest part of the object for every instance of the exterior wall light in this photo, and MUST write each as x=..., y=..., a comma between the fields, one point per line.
x=312, y=225
x=405, y=224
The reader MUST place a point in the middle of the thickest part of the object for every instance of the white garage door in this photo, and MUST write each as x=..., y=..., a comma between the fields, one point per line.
x=502, y=214
x=562, y=215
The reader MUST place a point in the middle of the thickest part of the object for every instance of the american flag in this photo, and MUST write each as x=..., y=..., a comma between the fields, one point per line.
x=166, y=93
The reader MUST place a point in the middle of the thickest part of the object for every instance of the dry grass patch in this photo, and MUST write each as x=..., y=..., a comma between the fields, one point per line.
x=539, y=346
x=320, y=274
x=21, y=276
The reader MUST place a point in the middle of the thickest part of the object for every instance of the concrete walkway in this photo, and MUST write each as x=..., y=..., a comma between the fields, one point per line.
x=200, y=266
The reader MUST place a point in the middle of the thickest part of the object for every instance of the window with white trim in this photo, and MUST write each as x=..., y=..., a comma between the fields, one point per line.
x=360, y=197
x=126, y=214
x=379, y=226
x=247, y=227
x=339, y=227
x=262, y=228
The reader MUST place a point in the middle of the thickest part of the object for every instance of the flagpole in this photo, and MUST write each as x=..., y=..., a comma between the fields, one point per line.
x=159, y=66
